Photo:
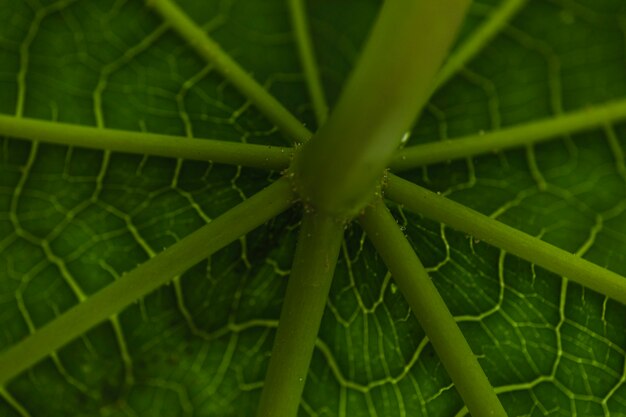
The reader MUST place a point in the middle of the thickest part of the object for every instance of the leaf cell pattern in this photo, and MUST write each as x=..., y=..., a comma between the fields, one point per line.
x=74, y=220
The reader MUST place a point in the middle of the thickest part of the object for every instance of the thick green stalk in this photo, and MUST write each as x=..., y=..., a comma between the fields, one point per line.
x=431, y=312
x=309, y=63
x=530, y=248
x=385, y=92
x=213, y=53
x=256, y=156
x=313, y=267
x=146, y=278
x=525, y=134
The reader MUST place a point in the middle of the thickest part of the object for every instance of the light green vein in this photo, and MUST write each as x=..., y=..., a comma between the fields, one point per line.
x=516, y=242
x=24, y=61
x=257, y=156
x=525, y=134
x=307, y=57
x=14, y=403
x=111, y=68
x=147, y=277
x=24, y=50
x=124, y=352
x=208, y=49
x=616, y=150
x=478, y=40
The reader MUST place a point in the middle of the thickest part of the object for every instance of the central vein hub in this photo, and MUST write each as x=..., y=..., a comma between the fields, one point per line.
x=338, y=170
x=334, y=185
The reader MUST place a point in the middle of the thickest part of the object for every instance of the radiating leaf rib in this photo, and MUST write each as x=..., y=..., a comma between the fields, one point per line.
x=213, y=53
x=431, y=311
x=532, y=132
x=147, y=277
x=308, y=60
x=476, y=42
x=516, y=242
x=319, y=241
x=257, y=156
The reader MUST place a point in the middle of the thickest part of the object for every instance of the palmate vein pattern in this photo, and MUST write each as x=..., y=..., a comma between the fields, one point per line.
x=200, y=347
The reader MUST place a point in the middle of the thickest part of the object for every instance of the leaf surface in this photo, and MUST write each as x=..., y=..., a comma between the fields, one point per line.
x=73, y=220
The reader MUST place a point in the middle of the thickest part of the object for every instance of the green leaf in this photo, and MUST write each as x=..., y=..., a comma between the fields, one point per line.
x=73, y=220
